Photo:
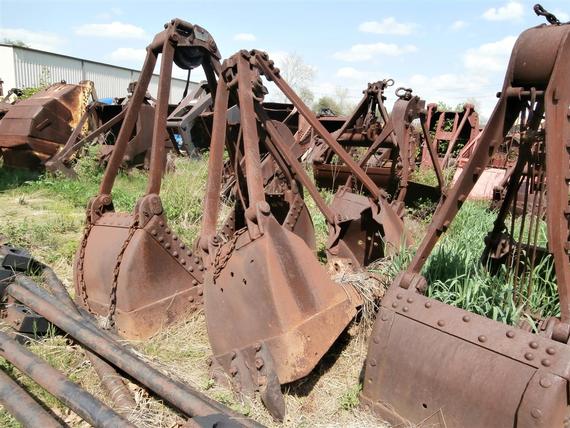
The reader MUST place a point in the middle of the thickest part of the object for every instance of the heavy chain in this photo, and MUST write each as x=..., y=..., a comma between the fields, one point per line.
x=81, y=264
x=109, y=321
x=220, y=261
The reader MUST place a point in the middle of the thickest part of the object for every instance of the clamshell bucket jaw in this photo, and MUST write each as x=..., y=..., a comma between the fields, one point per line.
x=431, y=364
x=272, y=310
x=131, y=269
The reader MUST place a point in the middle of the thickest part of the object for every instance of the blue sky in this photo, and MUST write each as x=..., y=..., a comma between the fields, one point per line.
x=445, y=50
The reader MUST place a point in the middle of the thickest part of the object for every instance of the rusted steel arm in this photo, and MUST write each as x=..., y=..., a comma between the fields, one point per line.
x=273, y=75
x=80, y=401
x=22, y=406
x=184, y=398
x=453, y=141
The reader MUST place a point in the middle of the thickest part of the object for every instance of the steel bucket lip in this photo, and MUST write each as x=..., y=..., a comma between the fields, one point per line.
x=528, y=348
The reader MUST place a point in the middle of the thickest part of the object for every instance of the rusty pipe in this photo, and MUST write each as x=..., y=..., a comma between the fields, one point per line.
x=56, y=383
x=184, y=398
x=110, y=379
x=22, y=406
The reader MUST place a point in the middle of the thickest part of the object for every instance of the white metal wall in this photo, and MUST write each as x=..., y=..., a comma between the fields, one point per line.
x=32, y=68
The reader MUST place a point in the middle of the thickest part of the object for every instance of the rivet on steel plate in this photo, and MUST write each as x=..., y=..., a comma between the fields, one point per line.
x=533, y=345
x=428, y=305
x=546, y=362
x=399, y=296
x=258, y=363
x=153, y=232
x=529, y=356
x=257, y=347
x=167, y=230
x=545, y=382
x=482, y=338
x=410, y=300
x=233, y=355
x=161, y=224
x=160, y=239
x=510, y=334
x=200, y=292
x=182, y=245
x=233, y=371
x=384, y=317
x=191, y=298
x=550, y=351
x=175, y=254
x=405, y=309
x=189, y=253
x=466, y=318
x=167, y=245
x=194, y=282
x=441, y=323
x=376, y=339
x=536, y=413
x=372, y=362
x=174, y=238
x=395, y=305
x=183, y=261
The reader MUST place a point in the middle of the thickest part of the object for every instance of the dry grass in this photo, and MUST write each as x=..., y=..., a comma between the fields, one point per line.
x=46, y=216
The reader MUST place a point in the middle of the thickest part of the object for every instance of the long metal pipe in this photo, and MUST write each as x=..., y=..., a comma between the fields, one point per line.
x=22, y=406
x=110, y=379
x=181, y=396
x=56, y=383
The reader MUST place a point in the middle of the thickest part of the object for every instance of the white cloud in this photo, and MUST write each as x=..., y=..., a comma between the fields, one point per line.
x=116, y=29
x=37, y=40
x=458, y=25
x=365, y=52
x=128, y=54
x=350, y=73
x=245, y=37
x=387, y=26
x=489, y=57
x=512, y=11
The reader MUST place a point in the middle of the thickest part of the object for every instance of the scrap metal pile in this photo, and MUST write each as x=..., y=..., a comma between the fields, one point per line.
x=272, y=309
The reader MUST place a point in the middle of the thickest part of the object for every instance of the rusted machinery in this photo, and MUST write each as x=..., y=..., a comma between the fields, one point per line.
x=34, y=129
x=384, y=144
x=451, y=130
x=429, y=363
x=132, y=269
x=264, y=252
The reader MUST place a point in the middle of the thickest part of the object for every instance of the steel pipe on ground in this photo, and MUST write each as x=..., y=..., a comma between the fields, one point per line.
x=22, y=406
x=184, y=398
x=110, y=379
x=56, y=383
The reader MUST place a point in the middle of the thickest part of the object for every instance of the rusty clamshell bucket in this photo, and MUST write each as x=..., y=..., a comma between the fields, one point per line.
x=131, y=269
x=434, y=365
x=271, y=310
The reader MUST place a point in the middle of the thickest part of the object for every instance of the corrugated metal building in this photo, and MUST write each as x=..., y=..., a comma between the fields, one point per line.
x=22, y=67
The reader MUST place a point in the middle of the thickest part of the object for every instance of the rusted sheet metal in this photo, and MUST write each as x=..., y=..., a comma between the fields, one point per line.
x=183, y=397
x=22, y=406
x=34, y=129
x=80, y=401
x=429, y=363
x=132, y=269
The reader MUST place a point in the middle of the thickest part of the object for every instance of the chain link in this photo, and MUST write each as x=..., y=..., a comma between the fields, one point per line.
x=81, y=265
x=220, y=261
x=108, y=322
